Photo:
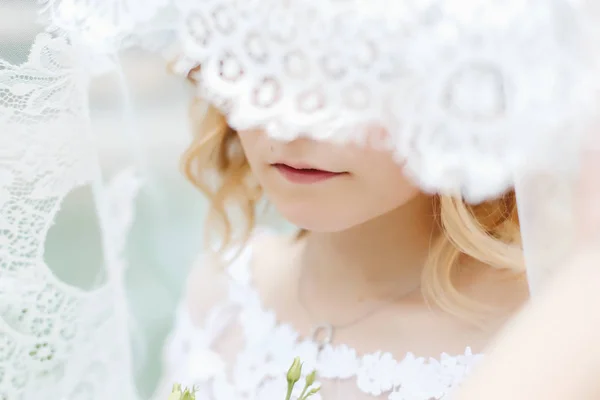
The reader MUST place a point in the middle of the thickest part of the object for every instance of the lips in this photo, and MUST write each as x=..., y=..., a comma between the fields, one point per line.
x=305, y=175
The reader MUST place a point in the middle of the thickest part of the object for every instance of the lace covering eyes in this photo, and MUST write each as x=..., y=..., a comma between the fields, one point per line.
x=465, y=94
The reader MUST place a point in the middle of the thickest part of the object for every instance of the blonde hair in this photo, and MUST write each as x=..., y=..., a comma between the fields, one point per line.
x=488, y=232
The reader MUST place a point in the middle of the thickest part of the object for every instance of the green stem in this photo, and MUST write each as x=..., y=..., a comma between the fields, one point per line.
x=303, y=392
x=289, y=391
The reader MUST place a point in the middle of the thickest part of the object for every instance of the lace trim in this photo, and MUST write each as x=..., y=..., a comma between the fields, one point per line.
x=454, y=87
x=259, y=368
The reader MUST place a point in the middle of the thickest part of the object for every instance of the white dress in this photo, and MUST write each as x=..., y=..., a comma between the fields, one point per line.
x=242, y=352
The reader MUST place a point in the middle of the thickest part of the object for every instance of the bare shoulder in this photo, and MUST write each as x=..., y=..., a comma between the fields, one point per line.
x=206, y=286
x=207, y=283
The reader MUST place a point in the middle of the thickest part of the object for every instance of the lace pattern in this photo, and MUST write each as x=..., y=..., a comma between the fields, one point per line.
x=258, y=370
x=455, y=90
x=460, y=94
x=48, y=328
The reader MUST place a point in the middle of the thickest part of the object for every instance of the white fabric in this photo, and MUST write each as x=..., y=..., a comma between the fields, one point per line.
x=50, y=331
x=242, y=351
x=475, y=95
x=471, y=93
x=468, y=92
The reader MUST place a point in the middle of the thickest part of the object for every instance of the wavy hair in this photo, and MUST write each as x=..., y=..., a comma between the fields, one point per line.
x=489, y=232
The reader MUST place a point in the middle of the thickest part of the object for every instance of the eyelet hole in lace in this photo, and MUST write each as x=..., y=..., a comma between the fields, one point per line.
x=50, y=300
x=255, y=48
x=296, y=65
x=365, y=53
x=68, y=332
x=7, y=347
x=223, y=20
x=19, y=380
x=266, y=93
x=42, y=351
x=388, y=70
x=356, y=97
x=476, y=92
x=333, y=67
x=197, y=28
x=281, y=27
x=230, y=69
x=41, y=326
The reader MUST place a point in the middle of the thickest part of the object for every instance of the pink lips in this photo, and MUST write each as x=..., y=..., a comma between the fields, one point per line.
x=305, y=175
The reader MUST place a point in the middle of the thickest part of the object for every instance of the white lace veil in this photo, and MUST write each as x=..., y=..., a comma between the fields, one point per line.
x=475, y=96
x=92, y=213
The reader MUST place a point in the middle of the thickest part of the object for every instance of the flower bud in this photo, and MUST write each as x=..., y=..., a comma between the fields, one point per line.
x=295, y=371
x=188, y=395
x=175, y=393
x=310, y=379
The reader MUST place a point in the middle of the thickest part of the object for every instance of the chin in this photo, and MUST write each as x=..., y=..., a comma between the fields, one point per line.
x=315, y=220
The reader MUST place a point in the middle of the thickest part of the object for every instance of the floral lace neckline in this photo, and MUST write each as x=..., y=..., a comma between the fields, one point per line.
x=377, y=373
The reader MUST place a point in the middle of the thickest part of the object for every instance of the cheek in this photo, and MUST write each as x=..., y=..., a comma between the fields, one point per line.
x=384, y=188
x=381, y=186
x=248, y=140
x=253, y=147
x=387, y=179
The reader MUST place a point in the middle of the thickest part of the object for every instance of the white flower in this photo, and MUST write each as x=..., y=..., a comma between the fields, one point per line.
x=258, y=325
x=244, y=295
x=408, y=370
x=308, y=351
x=338, y=362
x=204, y=363
x=456, y=369
x=283, y=338
x=469, y=359
x=250, y=369
x=281, y=349
x=222, y=389
x=273, y=389
x=376, y=373
x=417, y=379
x=239, y=270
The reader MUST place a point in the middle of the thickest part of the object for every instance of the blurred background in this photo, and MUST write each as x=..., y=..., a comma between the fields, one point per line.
x=167, y=230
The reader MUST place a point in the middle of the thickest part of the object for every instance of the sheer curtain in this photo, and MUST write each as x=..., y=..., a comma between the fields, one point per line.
x=95, y=218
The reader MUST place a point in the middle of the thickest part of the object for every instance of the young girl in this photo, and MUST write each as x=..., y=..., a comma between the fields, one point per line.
x=387, y=292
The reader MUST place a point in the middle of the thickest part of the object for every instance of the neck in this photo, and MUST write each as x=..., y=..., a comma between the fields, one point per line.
x=379, y=256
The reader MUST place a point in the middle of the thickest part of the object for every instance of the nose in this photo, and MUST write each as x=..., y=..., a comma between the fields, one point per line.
x=295, y=147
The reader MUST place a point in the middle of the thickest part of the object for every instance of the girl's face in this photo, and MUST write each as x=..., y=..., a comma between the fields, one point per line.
x=325, y=187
